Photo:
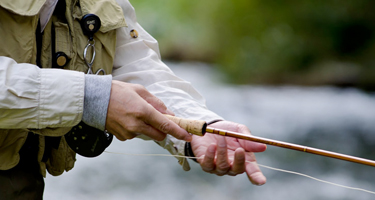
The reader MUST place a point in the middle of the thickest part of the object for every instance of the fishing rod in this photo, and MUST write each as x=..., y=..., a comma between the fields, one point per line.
x=199, y=127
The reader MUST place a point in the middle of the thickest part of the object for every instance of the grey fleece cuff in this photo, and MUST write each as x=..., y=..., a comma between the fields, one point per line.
x=96, y=100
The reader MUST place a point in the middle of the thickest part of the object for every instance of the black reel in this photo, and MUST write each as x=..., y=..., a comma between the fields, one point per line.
x=88, y=141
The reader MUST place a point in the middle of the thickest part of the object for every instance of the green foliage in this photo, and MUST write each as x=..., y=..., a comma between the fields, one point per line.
x=253, y=41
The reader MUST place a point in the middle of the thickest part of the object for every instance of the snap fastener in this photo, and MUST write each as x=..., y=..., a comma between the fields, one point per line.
x=134, y=33
x=61, y=59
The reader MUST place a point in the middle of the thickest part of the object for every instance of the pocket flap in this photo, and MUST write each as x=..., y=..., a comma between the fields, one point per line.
x=109, y=12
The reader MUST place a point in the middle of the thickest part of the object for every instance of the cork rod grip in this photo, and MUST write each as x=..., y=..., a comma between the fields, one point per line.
x=196, y=127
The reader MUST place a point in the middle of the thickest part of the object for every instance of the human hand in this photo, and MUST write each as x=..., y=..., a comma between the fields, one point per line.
x=233, y=156
x=132, y=110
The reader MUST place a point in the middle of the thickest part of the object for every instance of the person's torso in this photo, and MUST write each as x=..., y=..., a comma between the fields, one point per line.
x=60, y=45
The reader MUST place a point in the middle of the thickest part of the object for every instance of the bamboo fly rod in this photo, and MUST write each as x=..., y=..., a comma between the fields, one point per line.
x=199, y=127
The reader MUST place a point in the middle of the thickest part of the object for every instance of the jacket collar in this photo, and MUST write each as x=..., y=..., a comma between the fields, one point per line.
x=22, y=7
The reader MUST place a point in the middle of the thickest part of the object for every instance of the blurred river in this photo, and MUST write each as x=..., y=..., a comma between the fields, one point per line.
x=341, y=120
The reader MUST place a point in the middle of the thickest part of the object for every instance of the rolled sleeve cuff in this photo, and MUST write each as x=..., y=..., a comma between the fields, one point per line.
x=96, y=100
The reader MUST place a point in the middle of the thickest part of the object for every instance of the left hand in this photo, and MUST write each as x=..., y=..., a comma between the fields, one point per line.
x=233, y=156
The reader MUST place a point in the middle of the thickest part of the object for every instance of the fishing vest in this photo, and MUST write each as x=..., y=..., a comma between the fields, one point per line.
x=62, y=46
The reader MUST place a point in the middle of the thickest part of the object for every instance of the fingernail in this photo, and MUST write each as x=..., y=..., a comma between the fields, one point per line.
x=259, y=184
x=188, y=138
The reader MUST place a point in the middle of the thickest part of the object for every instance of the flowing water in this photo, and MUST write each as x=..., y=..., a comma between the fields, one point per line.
x=341, y=120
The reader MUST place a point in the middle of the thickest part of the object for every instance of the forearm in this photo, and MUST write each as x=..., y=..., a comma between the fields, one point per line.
x=34, y=98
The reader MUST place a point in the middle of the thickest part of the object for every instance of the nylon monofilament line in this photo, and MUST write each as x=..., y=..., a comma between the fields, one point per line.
x=261, y=165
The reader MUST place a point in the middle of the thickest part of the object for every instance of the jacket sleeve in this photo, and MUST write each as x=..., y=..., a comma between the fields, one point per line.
x=34, y=98
x=138, y=61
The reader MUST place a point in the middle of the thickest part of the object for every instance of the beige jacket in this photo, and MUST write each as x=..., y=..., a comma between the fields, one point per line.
x=50, y=101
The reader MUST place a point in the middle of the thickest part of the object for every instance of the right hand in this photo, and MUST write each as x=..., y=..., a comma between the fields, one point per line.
x=132, y=110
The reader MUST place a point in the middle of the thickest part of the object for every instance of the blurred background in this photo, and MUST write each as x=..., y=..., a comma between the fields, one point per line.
x=295, y=71
x=269, y=42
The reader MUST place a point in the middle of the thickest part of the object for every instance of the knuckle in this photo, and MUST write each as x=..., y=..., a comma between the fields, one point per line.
x=243, y=128
x=139, y=88
x=165, y=127
x=129, y=136
x=131, y=129
x=208, y=164
x=208, y=168
x=239, y=162
x=223, y=167
x=120, y=138
x=240, y=159
x=221, y=152
x=233, y=173
x=137, y=111
x=126, y=135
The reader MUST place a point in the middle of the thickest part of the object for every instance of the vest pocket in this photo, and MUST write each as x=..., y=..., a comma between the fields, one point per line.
x=62, y=45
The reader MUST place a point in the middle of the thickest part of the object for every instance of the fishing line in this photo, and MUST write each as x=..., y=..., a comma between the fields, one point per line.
x=316, y=179
x=264, y=166
x=162, y=155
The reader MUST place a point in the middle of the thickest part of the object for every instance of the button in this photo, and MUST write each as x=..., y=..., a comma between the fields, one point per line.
x=61, y=59
x=134, y=33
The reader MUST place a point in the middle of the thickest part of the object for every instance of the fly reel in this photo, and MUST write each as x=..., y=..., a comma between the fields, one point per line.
x=88, y=141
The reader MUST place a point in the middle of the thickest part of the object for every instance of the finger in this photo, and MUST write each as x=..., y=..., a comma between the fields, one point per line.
x=249, y=145
x=254, y=174
x=151, y=132
x=208, y=164
x=153, y=100
x=222, y=164
x=252, y=146
x=238, y=166
x=163, y=124
x=132, y=128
